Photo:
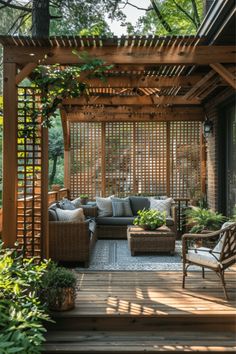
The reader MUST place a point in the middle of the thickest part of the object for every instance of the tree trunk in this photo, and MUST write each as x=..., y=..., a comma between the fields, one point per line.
x=54, y=170
x=40, y=18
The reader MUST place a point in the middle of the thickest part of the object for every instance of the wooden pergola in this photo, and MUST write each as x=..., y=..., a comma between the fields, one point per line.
x=154, y=79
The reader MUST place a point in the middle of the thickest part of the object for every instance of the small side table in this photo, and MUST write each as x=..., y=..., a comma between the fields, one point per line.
x=145, y=241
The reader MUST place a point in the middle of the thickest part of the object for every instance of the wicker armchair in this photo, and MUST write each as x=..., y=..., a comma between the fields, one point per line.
x=219, y=258
x=71, y=241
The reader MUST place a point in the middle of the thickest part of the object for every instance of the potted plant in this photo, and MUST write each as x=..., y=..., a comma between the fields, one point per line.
x=150, y=219
x=58, y=288
x=83, y=199
x=56, y=187
x=201, y=219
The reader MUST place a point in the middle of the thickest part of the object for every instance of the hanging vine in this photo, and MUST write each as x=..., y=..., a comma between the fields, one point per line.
x=57, y=83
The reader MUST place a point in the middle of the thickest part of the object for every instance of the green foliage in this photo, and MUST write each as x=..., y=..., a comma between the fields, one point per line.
x=183, y=18
x=57, y=83
x=150, y=219
x=21, y=313
x=54, y=281
x=84, y=196
x=204, y=219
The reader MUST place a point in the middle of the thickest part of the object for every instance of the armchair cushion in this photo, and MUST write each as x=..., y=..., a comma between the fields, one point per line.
x=65, y=204
x=203, y=256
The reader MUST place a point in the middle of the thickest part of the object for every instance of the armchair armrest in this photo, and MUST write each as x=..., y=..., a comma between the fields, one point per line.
x=90, y=210
x=207, y=236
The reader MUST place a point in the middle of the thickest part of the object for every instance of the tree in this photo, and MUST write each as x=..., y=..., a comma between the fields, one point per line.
x=171, y=17
x=55, y=149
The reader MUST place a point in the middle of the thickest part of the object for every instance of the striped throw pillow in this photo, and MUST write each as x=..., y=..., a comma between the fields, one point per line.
x=121, y=207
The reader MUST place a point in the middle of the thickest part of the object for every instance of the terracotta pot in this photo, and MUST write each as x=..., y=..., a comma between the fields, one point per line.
x=65, y=301
x=56, y=187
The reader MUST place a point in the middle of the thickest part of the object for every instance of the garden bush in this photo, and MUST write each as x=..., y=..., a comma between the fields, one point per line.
x=21, y=313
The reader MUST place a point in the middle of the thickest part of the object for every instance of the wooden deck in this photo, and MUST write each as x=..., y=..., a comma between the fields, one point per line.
x=131, y=312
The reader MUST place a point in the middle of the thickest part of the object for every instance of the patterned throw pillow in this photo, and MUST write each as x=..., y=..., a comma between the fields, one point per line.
x=104, y=206
x=70, y=215
x=121, y=207
x=161, y=205
x=76, y=202
x=65, y=204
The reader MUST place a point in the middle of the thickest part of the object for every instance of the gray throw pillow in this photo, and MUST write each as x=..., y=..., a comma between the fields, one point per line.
x=65, y=204
x=139, y=203
x=104, y=206
x=121, y=207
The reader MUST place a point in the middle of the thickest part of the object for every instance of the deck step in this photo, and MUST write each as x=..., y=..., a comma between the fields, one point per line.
x=74, y=321
x=138, y=342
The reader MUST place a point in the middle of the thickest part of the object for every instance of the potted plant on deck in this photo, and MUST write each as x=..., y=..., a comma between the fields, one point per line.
x=200, y=220
x=58, y=288
x=150, y=219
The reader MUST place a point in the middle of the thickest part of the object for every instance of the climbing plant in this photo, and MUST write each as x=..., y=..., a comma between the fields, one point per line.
x=57, y=83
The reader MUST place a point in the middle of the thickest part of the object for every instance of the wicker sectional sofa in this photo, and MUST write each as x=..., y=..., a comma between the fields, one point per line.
x=74, y=241
x=113, y=227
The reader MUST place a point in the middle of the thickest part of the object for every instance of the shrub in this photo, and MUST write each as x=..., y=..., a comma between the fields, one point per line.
x=21, y=313
x=204, y=219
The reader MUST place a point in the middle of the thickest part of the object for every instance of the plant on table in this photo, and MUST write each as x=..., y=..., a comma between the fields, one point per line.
x=203, y=219
x=150, y=219
x=83, y=199
x=21, y=312
x=58, y=288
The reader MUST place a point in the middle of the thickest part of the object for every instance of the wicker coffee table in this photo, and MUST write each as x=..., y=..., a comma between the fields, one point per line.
x=144, y=241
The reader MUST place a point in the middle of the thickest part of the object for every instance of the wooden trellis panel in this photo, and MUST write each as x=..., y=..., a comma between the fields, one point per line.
x=85, y=168
x=119, y=164
x=151, y=158
x=29, y=174
x=185, y=158
x=122, y=158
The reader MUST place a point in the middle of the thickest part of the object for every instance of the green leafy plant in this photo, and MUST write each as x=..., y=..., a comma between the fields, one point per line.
x=150, y=219
x=203, y=219
x=21, y=312
x=55, y=281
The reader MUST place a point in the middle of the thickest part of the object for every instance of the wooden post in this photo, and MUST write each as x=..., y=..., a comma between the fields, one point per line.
x=103, y=157
x=67, y=169
x=44, y=195
x=203, y=164
x=168, y=158
x=9, y=233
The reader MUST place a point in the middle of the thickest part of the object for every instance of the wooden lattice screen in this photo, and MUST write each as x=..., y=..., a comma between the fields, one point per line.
x=155, y=158
x=29, y=173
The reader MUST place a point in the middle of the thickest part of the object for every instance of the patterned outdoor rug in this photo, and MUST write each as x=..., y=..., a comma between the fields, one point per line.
x=115, y=255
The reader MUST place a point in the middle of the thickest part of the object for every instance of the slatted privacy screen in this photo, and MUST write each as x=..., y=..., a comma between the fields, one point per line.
x=29, y=173
x=122, y=158
x=86, y=157
x=185, y=158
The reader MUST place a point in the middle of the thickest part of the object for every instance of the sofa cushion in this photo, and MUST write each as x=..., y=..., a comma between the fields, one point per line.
x=139, y=203
x=76, y=215
x=121, y=207
x=161, y=205
x=104, y=206
x=115, y=220
x=65, y=204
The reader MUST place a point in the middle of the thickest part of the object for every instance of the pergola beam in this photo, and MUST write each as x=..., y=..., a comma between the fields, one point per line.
x=174, y=54
x=25, y=72
x=138, y=100
x=226, y=75
x=106, y=110
x=130, y=117
x=144, y=81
